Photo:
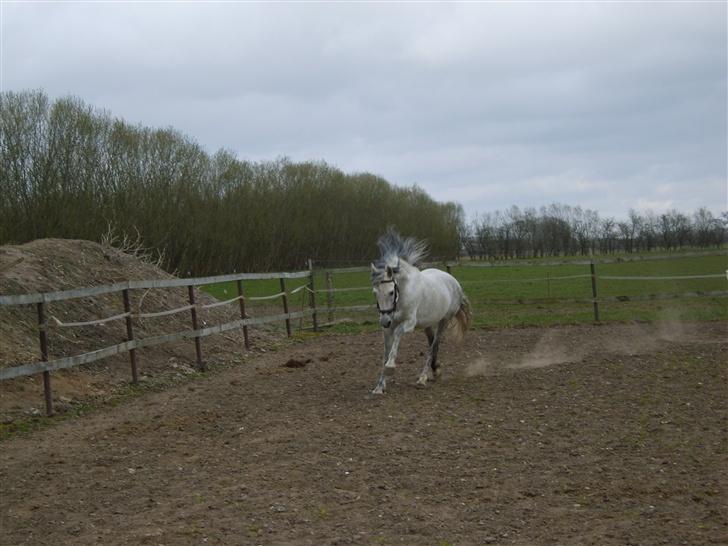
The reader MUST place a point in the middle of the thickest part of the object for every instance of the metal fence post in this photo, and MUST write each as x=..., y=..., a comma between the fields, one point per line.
x=312, y=295
x=43, y=338
x=592, y=268
x=330, y=295
x=193, y=309
x=130, y=335
x=243, y=315
x=285, y=306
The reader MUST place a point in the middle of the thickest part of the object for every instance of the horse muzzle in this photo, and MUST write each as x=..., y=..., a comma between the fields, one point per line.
x=385, y=320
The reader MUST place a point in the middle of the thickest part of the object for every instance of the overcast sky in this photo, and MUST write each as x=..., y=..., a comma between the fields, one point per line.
x=604, y=105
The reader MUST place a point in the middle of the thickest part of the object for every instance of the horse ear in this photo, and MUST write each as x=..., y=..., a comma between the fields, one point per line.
x=374, y=269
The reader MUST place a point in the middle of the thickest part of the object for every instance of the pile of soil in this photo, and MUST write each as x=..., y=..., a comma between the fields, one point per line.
x=49, y=265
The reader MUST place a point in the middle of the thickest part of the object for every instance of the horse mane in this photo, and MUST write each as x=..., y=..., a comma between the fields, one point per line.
x=393, y=247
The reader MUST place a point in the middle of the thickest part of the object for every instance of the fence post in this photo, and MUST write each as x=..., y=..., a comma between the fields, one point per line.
x=330, y=295
x=285, y=306
x=448, y=268
x=548, y=284
x=594, y=290
x=243, y=315
x=43, y=338
x=198, y=347
x=312, y=295
x=130, y=335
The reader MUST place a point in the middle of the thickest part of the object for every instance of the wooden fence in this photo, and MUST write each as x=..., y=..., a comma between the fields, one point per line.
x=40, y=300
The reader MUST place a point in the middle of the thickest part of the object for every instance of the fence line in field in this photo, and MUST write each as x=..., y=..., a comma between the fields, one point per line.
x=621, y=259
x=532, y=279
x=40, y=300
x=663, y=278
x=93, y=356
x=47, y=297
x=603, y=277
x=607, y=299
x=595, y=300
x=45, y=366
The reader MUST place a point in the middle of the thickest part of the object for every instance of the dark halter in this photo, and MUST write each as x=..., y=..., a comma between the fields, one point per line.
x=394, y=303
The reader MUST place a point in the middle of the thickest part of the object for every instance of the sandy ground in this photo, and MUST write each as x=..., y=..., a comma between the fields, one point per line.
x=572, y=435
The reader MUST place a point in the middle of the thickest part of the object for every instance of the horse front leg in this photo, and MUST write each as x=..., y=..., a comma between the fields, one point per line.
x=379, y=389
x=391, y=354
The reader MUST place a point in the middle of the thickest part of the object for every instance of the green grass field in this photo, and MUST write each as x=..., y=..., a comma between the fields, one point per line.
x=485, y=285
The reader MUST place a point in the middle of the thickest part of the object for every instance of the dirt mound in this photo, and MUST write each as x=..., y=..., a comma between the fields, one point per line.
x=49, y=265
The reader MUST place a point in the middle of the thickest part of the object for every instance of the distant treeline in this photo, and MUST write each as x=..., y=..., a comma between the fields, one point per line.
x=69, y=170
x=559, y=230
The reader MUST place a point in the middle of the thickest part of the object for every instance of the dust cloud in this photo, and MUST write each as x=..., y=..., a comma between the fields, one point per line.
x=553, y=347
x=558, y=345
x=481, y=366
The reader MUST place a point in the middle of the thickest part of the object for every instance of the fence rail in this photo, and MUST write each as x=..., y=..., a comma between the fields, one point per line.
x=93, y=356
x=131, y=345
x=619, y=260
x=45, y=366
x=606, y=299
x=47, y=297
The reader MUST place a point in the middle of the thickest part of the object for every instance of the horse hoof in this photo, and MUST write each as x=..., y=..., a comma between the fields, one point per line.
x=378, y=390
x=421, y=383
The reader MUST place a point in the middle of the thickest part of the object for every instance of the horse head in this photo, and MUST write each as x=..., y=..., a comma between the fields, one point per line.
x=386, y=291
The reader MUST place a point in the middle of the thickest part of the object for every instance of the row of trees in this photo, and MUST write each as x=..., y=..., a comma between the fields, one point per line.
x=559, y=230
x=69, y=170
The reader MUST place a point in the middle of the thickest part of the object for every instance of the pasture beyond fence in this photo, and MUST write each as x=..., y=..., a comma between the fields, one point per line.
x=45, y=321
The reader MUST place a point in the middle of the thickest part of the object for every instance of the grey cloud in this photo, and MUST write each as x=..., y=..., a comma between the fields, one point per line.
x=601, y=105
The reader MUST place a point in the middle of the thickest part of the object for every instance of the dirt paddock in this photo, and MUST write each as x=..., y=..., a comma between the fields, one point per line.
x=571, y=435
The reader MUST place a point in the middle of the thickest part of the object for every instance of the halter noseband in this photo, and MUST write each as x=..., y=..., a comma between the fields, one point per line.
x=394, y=303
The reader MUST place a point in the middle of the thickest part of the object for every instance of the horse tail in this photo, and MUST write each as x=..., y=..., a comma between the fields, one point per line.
x=463, y=318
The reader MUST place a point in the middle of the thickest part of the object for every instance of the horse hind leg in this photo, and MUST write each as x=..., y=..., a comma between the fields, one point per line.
x=436, y=369
x=427, y=371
